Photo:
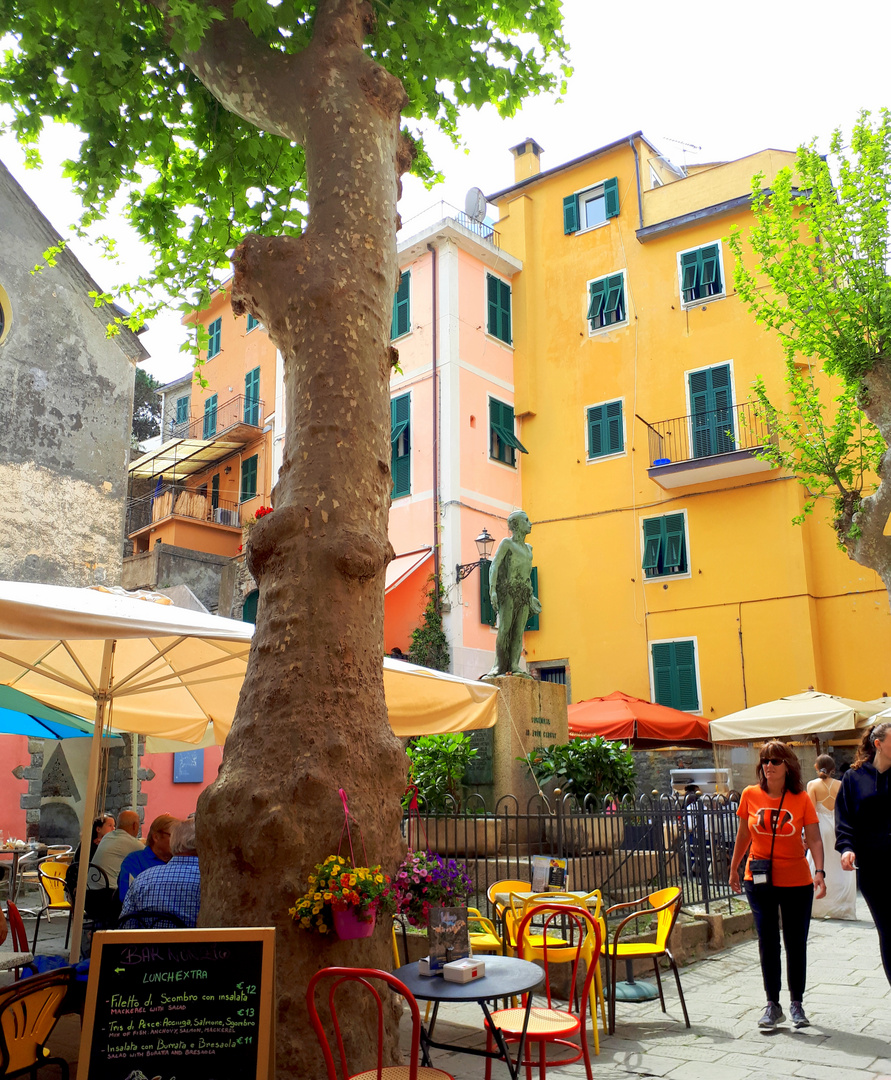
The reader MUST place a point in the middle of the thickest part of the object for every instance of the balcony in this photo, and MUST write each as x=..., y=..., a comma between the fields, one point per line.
x=222, y=420
x=711, y=445
x=188, y=518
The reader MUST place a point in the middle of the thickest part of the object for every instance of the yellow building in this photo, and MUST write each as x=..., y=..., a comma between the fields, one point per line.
x=668, y=563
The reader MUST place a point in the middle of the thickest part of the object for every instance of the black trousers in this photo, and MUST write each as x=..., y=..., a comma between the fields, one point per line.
x=793, y=903
x=874, y=884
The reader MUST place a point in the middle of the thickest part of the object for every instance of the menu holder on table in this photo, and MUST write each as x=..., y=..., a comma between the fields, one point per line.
x=448, y=935
x=549, y=874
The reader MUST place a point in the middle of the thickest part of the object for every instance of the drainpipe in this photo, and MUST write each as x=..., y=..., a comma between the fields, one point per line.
x=435, y=395
x=637, y=174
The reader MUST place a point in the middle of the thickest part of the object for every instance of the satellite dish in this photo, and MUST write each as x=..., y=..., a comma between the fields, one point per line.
x=475, y=204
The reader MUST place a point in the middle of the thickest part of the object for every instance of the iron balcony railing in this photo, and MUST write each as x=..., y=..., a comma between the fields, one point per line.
x=177, y=500
x=443, y=211
x=217, y=418
x=707, y=434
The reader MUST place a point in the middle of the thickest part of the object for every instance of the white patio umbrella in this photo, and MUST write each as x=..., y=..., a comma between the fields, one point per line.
x=154, y=669
x=810, y=713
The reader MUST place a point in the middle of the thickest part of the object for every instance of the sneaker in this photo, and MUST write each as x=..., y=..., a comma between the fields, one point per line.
x=772, y=1016
x=796, y=1013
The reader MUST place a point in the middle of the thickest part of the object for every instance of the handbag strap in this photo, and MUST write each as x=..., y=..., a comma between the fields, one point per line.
x=776, y=822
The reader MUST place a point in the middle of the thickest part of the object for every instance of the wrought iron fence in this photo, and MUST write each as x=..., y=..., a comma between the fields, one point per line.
x=624, y=849
x=216, y=419
x=707, y=433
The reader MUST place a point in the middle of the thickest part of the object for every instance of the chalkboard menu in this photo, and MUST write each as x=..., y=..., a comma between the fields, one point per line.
x=163, y=1004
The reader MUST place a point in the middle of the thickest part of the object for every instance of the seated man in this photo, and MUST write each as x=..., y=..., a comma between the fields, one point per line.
x=175, y=887
x=117, y=845
x=155, y=853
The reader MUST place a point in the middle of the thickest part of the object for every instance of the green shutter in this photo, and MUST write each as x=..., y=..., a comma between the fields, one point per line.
x=252, y=397
x=401, y=322
x=498, y=308
x=215, y=337
x=595, y=431
x=675, y=544
x=685, y=671
x=534, y=622
x=614, y=441
x=614, y=305
x=662, y=672
x=712, y=412
x=652, y=546
x=501, y=425
x=249, y=478
x=570, y=214
x=597, y=299
x=400, y=445
x=215, y=490
x=249, y=607
x=710, y=281
x=182, y=410
x=611, y=197
x=210, y=417
x=252, y=322
x=487, y=612
x=690, y=268
x=674, y=675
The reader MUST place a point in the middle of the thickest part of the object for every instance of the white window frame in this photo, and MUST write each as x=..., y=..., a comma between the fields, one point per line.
x=663, y=578
x=616, y=453
x=692, y=371
x=579, y=196
x=722, y=295
x=667, y=641
x=612, y=326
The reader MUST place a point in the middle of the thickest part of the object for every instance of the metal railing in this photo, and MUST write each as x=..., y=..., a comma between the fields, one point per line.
x=706, y=434
x=626, y=849
x=237, y=410
x=177, y=500
x=442, y=211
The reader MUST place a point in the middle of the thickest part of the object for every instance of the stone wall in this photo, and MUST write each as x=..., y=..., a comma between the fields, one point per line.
x=167, y=564
x=654, y=766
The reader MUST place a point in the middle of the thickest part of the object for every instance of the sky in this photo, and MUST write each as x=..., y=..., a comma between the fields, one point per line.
x=704, y=84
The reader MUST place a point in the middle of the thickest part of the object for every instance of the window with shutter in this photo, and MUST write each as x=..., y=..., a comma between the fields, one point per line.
x=215, y=337
x=400, y=445
x=487, y=612
x=401, y=322
x=182, y=410
x=249, y=479
x=498, y=308
x=606, y=301
x=252, y=397
x=664, y=546
x=534, y=621
x=700, y=271
x=503, y=443
x=605, y=429
x=210, y=417
x=711, y=409
x=592, y=207
x=252, y=322
x=674, y=674
x=215, y=490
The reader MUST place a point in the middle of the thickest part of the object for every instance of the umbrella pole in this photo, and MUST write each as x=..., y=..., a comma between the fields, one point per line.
x=86, y=830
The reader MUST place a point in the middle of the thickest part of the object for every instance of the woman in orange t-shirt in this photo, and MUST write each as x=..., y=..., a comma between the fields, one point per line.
x=772, y=815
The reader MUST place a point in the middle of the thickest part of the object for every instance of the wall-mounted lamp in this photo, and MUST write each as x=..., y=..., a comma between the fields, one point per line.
x=484, y=544
x=227, y=470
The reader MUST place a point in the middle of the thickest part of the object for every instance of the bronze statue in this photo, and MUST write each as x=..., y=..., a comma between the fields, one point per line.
x=510, y=590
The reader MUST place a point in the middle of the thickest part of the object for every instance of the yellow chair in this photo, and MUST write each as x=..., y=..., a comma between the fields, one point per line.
x=505, y=886
x=593, y=903
x=51, y=876
x=483, y=935
x=28, y=1013
x=513, y=916
x=665, y=904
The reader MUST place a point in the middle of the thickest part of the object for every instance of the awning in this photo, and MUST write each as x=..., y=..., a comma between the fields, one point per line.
x=404, y=565
x=183, y=457
x=642, y=723
x=810, y=713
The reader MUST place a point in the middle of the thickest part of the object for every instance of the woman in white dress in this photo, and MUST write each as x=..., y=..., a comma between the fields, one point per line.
x=841, y=888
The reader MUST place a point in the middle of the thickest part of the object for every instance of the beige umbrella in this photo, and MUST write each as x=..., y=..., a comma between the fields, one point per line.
x=157, y=670
x=810, y=713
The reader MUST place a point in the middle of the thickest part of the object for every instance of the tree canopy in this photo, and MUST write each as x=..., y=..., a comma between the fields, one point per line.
x=201, y=168
x=146, y=407
x=818, y=277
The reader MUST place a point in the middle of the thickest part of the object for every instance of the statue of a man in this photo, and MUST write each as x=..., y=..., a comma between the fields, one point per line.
x=510, y=590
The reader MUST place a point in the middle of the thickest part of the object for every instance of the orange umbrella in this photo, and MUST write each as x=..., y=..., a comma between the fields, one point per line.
x=643, y=724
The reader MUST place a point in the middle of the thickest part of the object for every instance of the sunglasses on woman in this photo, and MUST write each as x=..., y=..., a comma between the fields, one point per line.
x=773, y=761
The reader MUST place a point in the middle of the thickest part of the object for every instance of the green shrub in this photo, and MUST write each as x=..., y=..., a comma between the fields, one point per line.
x=583, y=767
x=438, y=765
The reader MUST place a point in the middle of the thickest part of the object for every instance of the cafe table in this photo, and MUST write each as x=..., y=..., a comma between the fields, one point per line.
x=503, y=898
x=506, y=976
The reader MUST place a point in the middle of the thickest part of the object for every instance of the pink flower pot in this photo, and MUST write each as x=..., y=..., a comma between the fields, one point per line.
x=350, y=926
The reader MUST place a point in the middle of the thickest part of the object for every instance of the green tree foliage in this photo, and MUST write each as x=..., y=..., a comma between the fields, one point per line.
x=582, y=767
x=438, y=766
x=429, y=644
x=818, y=277
x=146, y=407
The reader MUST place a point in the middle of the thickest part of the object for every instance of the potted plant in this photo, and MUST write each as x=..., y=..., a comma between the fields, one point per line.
x=343, y=898
x=425, y=880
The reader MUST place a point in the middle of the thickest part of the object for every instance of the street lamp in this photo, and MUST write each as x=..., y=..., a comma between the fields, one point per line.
x=484, y=544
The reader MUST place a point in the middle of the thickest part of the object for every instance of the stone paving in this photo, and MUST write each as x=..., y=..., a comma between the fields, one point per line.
x=848, y=1003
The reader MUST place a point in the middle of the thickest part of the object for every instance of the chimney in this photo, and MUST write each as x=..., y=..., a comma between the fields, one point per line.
x=527, y=159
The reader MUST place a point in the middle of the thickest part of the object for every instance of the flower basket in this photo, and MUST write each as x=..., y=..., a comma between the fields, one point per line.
x=349, y=925
x=426, y=880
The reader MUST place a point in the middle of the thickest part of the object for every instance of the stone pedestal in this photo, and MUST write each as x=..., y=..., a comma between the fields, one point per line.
x=530, y=714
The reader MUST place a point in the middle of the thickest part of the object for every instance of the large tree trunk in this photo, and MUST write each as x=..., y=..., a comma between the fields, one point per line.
x=312, y=716
x=862, y=524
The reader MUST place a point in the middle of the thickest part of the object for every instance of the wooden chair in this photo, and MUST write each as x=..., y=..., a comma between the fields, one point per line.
x=666, y=906
x=549, y=1024
x=28, y=1013
x=364, y=979
x=51, y=876
x=21, y=956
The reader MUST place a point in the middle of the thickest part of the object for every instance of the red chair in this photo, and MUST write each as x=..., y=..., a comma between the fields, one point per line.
x=548, y=1024
x=365, y=978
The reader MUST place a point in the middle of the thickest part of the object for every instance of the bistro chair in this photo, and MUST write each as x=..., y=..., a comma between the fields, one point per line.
x=513, y=917
x=28, y=1013
x=547, y=1023
x=665, y=904
x=484, y=938
x=365, y=980
x=21, y=956
x=51, y=877
x=26, y=873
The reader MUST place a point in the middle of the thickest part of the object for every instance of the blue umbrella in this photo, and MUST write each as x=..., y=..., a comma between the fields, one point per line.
x=21, y=714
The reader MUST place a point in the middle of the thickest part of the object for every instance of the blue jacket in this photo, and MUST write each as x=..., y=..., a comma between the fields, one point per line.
x=133, y=866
